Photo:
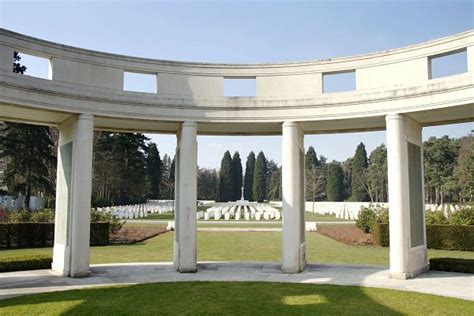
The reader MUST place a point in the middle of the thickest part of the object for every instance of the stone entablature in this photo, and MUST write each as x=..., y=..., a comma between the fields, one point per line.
x=85, y=81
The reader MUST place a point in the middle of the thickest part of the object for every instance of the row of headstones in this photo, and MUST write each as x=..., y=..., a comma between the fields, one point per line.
x=138, y=210
x=445, y=208
x=351, y=210
x=237, y=212
x=342, y=210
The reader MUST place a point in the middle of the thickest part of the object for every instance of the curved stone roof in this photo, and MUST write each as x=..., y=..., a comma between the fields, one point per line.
x=86, y=81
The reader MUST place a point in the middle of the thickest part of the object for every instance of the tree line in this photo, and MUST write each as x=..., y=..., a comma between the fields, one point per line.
x=128, y=169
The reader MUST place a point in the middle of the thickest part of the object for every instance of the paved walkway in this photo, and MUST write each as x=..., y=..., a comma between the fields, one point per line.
x=440, y=283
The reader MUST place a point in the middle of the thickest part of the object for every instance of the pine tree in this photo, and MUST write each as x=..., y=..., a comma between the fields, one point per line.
x=207, y=184
x=153, y=172
x=248, y=180
x=335, y=184
x=465, y=168
x=27, y=149
x=270, y=176
x=311, y=172
x=236, y=171
x=274, y=186
x=358, y=174
x=259, y=178
x=119, y=169
x=172, y=178
x=376, y=180
x=225, y=177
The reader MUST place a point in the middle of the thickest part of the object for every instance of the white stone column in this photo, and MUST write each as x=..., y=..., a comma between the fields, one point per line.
x=186, y=199
x=408, y=252
x=294, y=245
x=470, y=58
x=73, y=197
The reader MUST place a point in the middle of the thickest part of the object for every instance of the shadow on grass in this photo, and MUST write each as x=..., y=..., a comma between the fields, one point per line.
x=232, y=298
x=202, y=298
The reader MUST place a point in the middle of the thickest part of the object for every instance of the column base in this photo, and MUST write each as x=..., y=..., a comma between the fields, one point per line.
x=59, y=271
x=409, y=275
x=292, y=270
x=187, y=270
x=82, y=274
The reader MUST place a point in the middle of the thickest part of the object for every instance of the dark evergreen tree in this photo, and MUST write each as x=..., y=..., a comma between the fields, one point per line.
x=27, y=150
x=153, y=172
x=358, y=174
x=167, y=178
x=376, y=181
x=236, y=171
x=270, y=176
x=346, y=167
x=207, y=184
x=465, y=168
x=311, y=173
x=440, y=157
x=259, y=178
x=335, y=182
x=274, y=186
x=225, y=179
x=172, y=179
x=119, y=169
x=248, y=180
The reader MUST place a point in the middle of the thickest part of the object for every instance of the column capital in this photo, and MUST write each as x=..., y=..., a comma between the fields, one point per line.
x=189, y=124
x=85, y=116
x=393, y=117
x=290, y=124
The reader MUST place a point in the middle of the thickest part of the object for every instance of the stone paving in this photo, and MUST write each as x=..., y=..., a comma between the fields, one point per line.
x=456, y=285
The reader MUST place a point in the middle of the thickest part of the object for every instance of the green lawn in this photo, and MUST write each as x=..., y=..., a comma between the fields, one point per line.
x=322, y=218
x=239, y=224
x=235, y=298
x=163, y=216
x=241, y=246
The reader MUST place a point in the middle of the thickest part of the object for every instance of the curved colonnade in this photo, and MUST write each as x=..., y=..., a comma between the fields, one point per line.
x=394, y=90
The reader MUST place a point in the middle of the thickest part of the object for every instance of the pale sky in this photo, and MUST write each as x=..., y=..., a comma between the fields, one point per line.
x=245, y=32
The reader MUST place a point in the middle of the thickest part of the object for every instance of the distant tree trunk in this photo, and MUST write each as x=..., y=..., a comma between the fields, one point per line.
x=27, y=197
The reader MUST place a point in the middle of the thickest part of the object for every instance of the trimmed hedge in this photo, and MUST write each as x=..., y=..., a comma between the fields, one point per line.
x=35, y=262
x=381, y=235
x=452, y=264
x=31, y=235
x=446, y=237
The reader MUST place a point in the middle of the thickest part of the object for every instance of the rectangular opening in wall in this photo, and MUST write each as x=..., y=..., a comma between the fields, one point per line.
x=139, y=82
x=31, y=65
x=339, y=81
x=448, y=64
x=240, y=87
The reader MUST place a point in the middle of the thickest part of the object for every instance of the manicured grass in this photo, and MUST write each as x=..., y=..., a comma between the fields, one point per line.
x=235, y=298
x=240, y=224
x=241, y=246
x=163, y=216
x=322, y=218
